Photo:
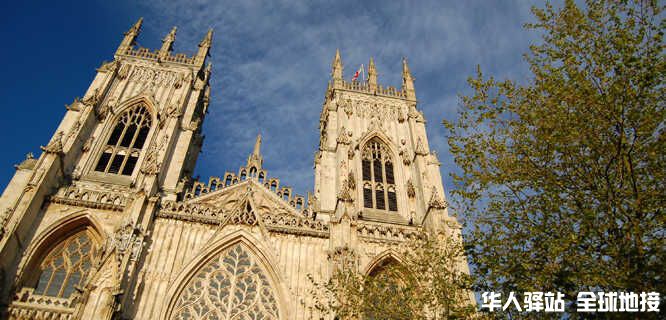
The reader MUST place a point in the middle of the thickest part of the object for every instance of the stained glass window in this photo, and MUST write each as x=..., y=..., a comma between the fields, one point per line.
x=231, y=286
x=66, y=266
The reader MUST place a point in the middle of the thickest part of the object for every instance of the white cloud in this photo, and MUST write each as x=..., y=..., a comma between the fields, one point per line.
x=271, y=64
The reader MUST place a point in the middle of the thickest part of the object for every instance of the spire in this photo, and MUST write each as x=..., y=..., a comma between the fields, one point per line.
x=336, y=68
x=257, y=146
x=407, y=81
x=204, y=47
x=130, y=36
x=255, y=159
x=135, y=29
x=167, y=42
x=372, y=74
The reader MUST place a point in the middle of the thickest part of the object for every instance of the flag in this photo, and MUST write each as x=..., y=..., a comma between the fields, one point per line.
x=359, y=72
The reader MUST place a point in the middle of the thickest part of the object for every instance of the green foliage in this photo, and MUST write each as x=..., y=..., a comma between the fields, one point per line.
x=563, y=179
x=429, y=282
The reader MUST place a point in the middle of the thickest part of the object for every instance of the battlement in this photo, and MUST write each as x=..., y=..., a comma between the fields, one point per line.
x=145, y=53
x=370, y=85
x=164, y=54
x=365, y=87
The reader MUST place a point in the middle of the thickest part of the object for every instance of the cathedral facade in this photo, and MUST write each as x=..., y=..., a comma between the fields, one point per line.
x=106, y=223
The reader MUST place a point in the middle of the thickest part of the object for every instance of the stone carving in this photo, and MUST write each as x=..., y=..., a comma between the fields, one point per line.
x=55, y=146
x=350, y=153
x=74, y=130
x=108, y=66
x=351, y=181
x=128, y=240
x=3, y=221
x=343, y=257
x=383, y=111
x=401, y=117
x=92, y=99
x=192, y=126
x=82, y=196
x=243, y=215
x=404, y=153
x=348, y=108
x=411, y=192
x=29, y=305
x=344, y=193
x=379, y=233
x=153, y=77
x=151, y=166
x=435, y=201
x=88, y=144
x=344, y=136
x=420, y=150
x=74, y=106
x=76, y=173
x=123, y=72
x=375, y=124
x=173, y=111
x=179, y=81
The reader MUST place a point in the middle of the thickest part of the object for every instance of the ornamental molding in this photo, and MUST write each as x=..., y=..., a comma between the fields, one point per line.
x=82, y=196
x=387, y=233
x=155, y=77
x=28, y=305
x=274, y=222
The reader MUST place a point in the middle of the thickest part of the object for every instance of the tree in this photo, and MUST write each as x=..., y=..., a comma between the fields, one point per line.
x=562, y=178
x=429, y=282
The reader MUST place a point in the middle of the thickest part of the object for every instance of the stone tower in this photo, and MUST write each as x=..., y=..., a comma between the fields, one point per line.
x=132, y=139
x=107, y=223
x=374, y=162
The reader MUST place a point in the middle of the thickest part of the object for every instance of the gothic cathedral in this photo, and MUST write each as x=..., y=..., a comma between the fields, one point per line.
x=107, y=224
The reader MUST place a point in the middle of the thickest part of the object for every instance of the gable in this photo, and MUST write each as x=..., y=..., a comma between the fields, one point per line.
x=263, y=200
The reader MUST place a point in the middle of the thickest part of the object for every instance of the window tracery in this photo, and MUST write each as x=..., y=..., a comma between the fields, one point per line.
x=379, y=190
x=231, y=286
x=124, y=145
x=66, y=266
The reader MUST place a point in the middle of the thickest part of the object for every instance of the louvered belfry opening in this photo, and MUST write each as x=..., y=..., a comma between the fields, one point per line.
x=378, y=177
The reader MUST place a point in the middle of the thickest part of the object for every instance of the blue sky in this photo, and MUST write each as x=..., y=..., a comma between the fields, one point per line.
x=271, y=63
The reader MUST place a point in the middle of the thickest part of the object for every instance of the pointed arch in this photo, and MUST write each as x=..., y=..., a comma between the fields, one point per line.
x=126, y=136
x=383, y=259
x=241, y=245
x=148, y=101
x=376, y=134
x=52, y=237
x=378, y=175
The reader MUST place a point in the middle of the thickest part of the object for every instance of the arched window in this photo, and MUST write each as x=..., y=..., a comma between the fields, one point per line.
x=227, y=181
x=125, y=142
x=66, y=266
x=378, y=177
x=273, y=186
x=253, y=172
x=243, y=175
x=261, y=177
x=233, y=285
